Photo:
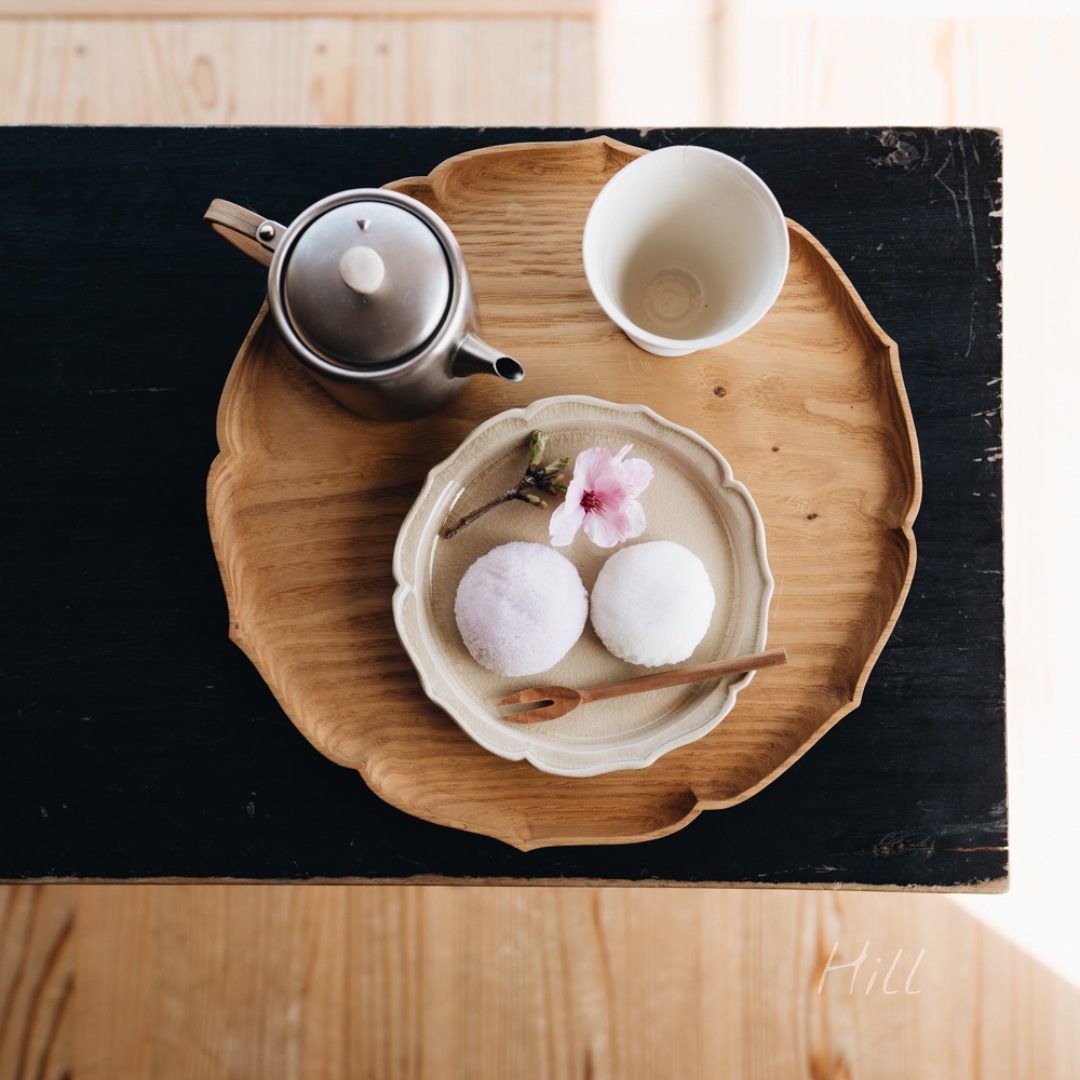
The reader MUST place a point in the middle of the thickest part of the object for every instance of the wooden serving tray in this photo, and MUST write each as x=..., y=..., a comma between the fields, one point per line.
x=305, y=501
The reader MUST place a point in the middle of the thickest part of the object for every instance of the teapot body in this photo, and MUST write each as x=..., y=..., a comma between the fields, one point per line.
x=415, y=389
x=368, y=289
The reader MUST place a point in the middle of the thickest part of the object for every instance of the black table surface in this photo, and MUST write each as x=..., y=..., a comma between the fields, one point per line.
x=139, y=743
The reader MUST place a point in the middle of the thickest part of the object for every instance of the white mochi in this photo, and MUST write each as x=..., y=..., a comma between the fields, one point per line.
x=652, y=603
x=520, y=608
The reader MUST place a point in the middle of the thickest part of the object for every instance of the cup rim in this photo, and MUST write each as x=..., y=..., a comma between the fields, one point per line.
x=682, y=346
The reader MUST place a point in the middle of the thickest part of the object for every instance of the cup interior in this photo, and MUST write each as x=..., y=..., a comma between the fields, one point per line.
x=686, y=245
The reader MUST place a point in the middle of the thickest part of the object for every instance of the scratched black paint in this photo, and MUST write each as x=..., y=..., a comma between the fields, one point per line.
x=138, y=742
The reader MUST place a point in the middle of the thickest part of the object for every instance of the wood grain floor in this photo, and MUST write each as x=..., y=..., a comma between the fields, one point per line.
x=385, y=982
x=288, y=70
x=321, y=982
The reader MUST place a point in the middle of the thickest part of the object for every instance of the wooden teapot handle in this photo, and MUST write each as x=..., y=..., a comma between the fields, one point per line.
x=255, y=235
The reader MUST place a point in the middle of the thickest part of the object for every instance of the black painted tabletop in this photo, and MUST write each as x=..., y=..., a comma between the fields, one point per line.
x=139, y=743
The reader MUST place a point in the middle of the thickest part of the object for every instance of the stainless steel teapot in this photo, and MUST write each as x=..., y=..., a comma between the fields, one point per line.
x=369, y=289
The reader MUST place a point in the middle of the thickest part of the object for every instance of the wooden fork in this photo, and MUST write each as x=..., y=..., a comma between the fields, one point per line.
x=551, y=702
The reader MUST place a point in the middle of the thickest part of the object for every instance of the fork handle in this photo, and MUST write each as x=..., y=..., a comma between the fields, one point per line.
x=677, y=676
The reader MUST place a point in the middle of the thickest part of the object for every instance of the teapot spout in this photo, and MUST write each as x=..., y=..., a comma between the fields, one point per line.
x=476, y=357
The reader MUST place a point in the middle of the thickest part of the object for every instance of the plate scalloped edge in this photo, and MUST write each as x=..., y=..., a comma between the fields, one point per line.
x=406, y=598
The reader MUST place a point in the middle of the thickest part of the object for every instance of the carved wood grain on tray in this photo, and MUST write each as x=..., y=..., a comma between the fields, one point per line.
x=305, y=501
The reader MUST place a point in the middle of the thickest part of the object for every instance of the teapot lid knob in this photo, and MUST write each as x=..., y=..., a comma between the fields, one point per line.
x=362, y=269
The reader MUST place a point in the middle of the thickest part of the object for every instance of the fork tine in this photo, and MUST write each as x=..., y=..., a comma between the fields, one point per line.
x=524, y=697
x=547, y=703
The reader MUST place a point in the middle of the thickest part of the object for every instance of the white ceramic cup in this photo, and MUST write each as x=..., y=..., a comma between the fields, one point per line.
x=685, y=248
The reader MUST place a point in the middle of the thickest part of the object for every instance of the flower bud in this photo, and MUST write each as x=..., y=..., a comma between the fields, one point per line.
x=537, y=442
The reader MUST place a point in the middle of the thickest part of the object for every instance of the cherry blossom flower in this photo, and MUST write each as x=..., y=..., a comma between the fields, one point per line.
x=602, y=498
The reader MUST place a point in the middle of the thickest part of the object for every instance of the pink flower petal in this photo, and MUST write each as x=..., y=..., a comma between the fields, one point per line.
x=636, y=474
x=564, y=523
x=605, y=530
x=590, y=465
x=611, y=492
x=574, y=491
x=634, y=520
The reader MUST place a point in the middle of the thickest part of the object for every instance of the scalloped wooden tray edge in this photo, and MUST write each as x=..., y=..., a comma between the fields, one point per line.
x=699, y=797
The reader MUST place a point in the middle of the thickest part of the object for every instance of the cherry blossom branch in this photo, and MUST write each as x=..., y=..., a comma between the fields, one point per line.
x=537, y=475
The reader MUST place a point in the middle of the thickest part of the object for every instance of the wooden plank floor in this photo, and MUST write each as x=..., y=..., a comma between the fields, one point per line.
x=98, y=982
x=327, y=70
x=243, y=981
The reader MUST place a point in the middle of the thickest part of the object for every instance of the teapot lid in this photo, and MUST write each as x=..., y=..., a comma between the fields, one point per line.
x=367, y=283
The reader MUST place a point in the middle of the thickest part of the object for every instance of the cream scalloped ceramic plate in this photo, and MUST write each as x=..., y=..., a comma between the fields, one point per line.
x=693, y=499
